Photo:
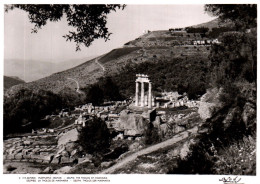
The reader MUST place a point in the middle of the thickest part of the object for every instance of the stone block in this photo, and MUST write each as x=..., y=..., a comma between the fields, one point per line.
x=24, y=151
x=16, y=160
x=27, y=156
x=35, y=150
x=47, y=157
x=65, y=153
x=18, y=156
x=47, y=170
x=10, y=157
x=8, y=145
x=63, y=170
x=70, y=146
x=27, y=142
x=56, y=160
x=84, y=159
x=11, y=150
x=45, y=161
x=106, y=164
x=73, y=152
x=16, y=139
x=66, y=160
x=33, y=156
x=38, y=161
x=44, y=153
x=70, y=136
x=18, y=150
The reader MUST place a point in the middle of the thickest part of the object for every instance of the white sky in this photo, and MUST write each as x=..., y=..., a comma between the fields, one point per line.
x=49, y=45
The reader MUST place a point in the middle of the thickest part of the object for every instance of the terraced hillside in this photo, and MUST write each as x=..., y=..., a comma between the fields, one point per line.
x=153, y=46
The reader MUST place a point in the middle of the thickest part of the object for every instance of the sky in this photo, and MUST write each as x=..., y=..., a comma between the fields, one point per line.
x=49, y=45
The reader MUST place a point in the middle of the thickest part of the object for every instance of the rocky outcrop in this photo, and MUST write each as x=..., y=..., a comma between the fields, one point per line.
x=63, y=170
x=210, y=103
x=206, y=110
x=70, y=136
x=249, y=114
x=132, y=124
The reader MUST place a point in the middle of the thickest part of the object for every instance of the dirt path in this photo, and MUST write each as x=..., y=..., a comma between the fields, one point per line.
x=151, y=149
x=103, y=68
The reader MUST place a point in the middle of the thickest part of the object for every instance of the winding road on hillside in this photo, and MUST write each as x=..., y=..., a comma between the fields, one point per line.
x=164, y=144
x=103, y=68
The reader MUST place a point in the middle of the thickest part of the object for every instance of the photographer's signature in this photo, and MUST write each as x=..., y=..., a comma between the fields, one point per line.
x=230, y=180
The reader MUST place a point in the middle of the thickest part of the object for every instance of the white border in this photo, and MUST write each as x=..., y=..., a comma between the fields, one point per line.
x=133, y=178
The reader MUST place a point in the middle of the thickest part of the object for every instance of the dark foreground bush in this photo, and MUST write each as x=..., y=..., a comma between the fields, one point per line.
x=28, y=107
x=151, y=135
x=95, y=136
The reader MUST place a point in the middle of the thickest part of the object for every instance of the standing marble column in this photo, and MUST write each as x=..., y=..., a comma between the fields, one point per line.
x=150, y=95
x=145, y=100
x=136, y=93
x=142, y=94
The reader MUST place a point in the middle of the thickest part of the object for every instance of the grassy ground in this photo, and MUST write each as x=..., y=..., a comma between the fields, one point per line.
x=238, y=158
x=116, y=53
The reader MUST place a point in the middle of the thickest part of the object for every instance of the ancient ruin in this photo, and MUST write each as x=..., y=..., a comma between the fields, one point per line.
x=144, y=101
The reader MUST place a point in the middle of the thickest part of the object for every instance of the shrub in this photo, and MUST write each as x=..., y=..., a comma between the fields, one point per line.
x=238, y=158
x=94, y=95
x=95, y=136
x=28, y=107
x=151, y=135
x=166, y=75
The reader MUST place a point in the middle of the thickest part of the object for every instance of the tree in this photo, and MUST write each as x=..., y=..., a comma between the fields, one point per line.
x=94, y=95
x=110, y=89
x=28, y=107
x=88, y=21
x=235, y=57
x=70, y=98
x=243, y=15
x=95, y=136
x=151, y=135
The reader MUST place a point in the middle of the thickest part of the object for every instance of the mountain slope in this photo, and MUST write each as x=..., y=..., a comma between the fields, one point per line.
x=31, y=70
x=153, y=46
x=213, y=23
x=11, y=81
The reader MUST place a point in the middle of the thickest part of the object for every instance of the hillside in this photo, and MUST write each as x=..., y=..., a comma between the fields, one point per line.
x=213, y=24
x=153, y=47
x=31, y=70
x=11, y=81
